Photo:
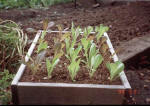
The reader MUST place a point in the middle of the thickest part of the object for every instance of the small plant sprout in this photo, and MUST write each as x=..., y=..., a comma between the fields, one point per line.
x=115, y=69
x=94, y=59
x=74, y=53
x=42, y=43
x=87, y=31
x=67, y=43
x=70, y=44
x=74, y=34
x=74, y=68
x=32, y=65
x=35, y=64
x=92, y=56
x=59, y=40
x=58, y=52
x=86, y=45
x=51, y=64
x=42, y=46
x=100, y=31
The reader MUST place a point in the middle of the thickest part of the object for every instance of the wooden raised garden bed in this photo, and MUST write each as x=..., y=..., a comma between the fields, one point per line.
x=66, y=93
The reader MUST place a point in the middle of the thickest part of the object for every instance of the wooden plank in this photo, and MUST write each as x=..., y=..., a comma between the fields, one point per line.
x=71, y=85
x=14, y=91
x=134, y=47
x=42, y=95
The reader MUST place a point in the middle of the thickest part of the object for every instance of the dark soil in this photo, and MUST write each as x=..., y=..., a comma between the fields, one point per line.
x=126, y=20
x=60, y=73
x=138, y=74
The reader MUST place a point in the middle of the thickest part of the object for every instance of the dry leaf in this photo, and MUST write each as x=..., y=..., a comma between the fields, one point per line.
x=45, y=24
x=91, y=37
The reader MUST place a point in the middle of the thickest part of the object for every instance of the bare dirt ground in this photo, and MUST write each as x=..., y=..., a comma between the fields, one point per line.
x=126, y=21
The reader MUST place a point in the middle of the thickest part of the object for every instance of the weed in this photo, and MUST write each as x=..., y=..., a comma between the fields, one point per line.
x=5, y=81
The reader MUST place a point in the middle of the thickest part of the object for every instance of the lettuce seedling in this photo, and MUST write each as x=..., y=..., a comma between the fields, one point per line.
x=42, y=43
x=115, y=69
x=86, y=45
x=74, y=68
x=73, y=53
x=58, y=52
x=42, y=46
x=74, y=34
x=94, y=59
x=67, y=43
x=87, y=31
x=51, y=64
x=100, y=31
x=70, y=51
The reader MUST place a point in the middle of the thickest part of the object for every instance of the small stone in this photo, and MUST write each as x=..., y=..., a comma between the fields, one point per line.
x=45, y=78
x=30, y=30
x=147, y=100
x=141, y=74
x=147, y=81
x=96, y=5
x=110, y=26
x=50, y=24
x=146, y=87
x=41, y=22
x=60, y=66
x=133, y=99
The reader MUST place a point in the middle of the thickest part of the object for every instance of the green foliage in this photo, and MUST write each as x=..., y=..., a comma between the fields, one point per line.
x=34, y=64
x=70, y=43
x=74, y=65
x=73, y=47
x=94, y=59
x=6, y=78
x=115, y=69
x=7, y=4
x=86, y=45
x=12, y=44
x=5, y=81
x=100, y=31
x=74, y=53
x=87, y=31
x=42, y=46
x=75, y=32
x=67, y=42
x=74, y=68
x=51, y=64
